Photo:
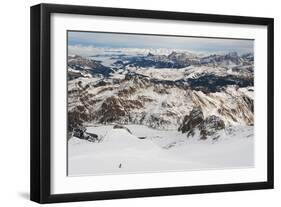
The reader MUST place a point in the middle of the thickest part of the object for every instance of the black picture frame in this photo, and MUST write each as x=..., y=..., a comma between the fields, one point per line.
x=40, y=180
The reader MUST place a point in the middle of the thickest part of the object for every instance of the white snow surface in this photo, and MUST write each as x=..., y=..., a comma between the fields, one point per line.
x=120, y=152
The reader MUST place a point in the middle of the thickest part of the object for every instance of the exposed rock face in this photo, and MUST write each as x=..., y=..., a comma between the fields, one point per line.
x=212, y=83
x=181, y=58
x=91, y=137
x=207, y=127
x=155, y=104
x=191, y=121
x=210, y=126
x=249, y=102
x=116, y=109
x=80, y=132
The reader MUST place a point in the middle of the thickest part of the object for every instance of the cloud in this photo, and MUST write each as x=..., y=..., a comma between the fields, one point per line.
x=83, y=50
x=198, y=44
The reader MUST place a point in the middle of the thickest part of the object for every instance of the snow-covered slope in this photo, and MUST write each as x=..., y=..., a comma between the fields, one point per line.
x=121, y=152
x=144, y=110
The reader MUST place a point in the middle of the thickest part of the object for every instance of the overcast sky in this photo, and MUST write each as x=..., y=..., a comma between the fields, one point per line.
x=119, y=40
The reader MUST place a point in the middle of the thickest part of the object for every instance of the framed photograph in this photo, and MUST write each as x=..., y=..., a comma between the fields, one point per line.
x=132, y=103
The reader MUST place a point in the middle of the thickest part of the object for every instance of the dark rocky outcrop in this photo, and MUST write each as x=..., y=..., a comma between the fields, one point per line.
x=210, y=126
x=249, y=102
x=91, y=137
x=191, y=121
x=80, y=132
x=213, y=83
x=207, y=127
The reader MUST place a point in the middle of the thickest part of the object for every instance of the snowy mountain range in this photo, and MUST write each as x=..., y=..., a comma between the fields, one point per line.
x=184, y=91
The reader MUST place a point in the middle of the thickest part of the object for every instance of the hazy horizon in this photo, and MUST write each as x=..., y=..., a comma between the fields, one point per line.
x=87, y=40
